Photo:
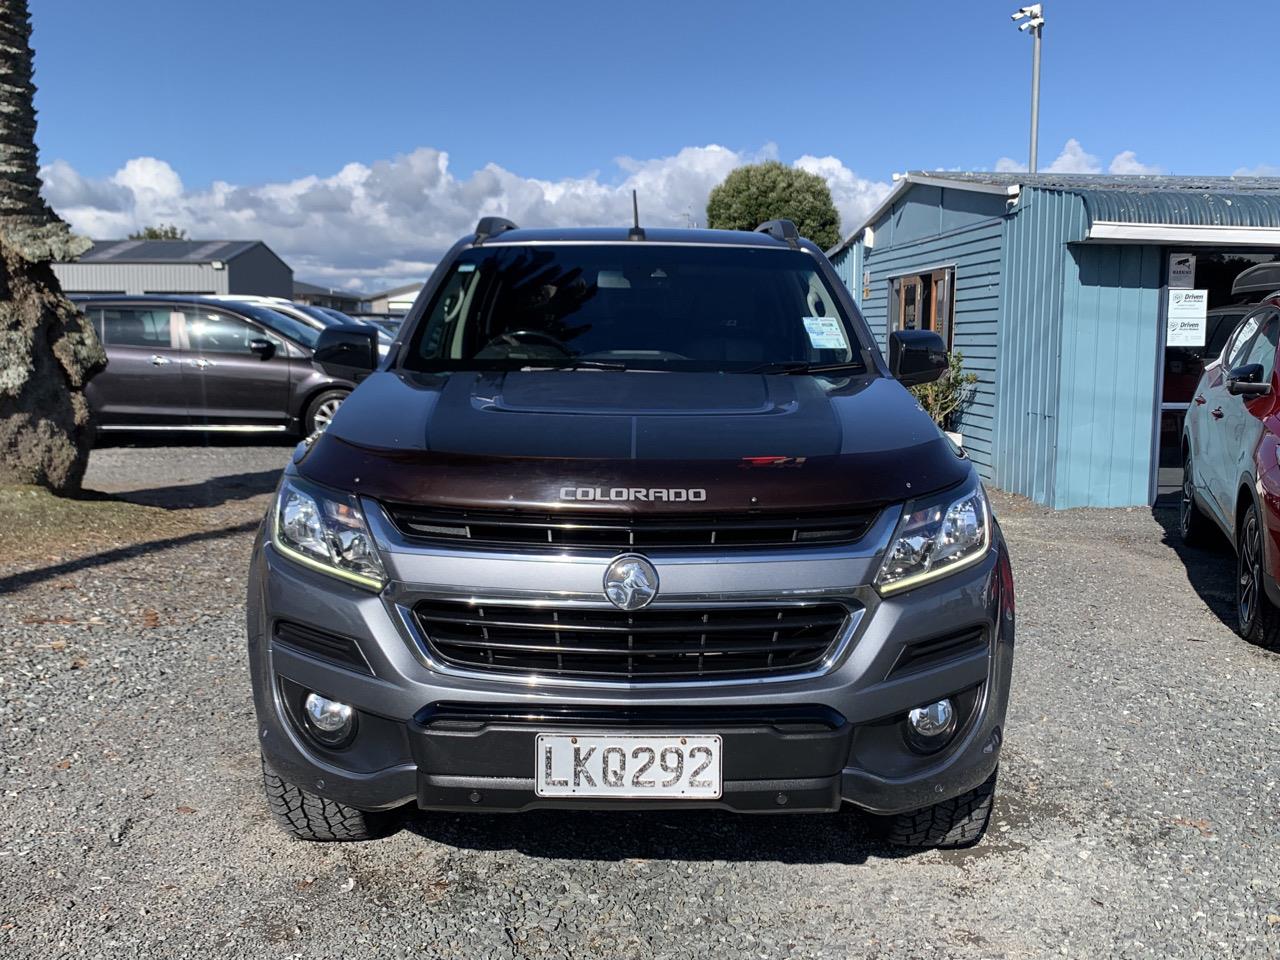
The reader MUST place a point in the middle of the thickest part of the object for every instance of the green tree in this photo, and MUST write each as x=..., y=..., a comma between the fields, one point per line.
x=165, y=231
x=48, y=349
x=753, y=194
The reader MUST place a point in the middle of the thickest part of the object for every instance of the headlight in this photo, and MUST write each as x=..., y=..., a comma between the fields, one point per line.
x=935, y=539
x=325, y=530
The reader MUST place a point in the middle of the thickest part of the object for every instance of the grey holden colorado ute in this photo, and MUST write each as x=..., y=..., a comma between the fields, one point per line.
x=631, y=519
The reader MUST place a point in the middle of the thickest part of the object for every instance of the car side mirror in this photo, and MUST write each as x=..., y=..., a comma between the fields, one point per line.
x=348, y=351
x=264, y=348
x=1246, y=381
x=916, y=356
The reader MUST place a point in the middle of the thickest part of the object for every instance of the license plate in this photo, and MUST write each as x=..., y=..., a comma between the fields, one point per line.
x=617, y=765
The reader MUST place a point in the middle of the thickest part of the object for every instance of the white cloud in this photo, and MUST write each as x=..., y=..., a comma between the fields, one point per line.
x=388, y=222
x=1127, y=162
x=854, y=197
x=1261, y=170
x=1075, y=159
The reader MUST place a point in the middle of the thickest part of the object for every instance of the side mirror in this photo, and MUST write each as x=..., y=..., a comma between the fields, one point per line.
x=1246, y=381
x=916, y=356
x=264, y=348
x=348, y=351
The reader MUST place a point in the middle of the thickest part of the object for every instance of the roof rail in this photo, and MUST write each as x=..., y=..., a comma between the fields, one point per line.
x=783, y=230
x=492, y=227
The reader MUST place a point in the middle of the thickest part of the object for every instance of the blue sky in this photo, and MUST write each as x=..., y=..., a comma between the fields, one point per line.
x=266, y=98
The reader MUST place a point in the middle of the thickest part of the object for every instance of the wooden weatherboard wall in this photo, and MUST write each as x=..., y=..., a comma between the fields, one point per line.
x=933, y=227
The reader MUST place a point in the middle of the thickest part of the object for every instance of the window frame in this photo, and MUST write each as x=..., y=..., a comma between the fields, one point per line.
x=893, y=315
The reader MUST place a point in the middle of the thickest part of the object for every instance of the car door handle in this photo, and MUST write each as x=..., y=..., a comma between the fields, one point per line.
x=1200, y=400
x=159, y=361
x=202, y=363
x=1217, y=413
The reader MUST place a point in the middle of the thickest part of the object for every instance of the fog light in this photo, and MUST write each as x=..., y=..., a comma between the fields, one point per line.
x=930, y=728
x=330, y=722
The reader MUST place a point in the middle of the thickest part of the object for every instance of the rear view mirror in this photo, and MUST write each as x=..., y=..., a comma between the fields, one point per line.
x=348, y=351
x=1246, y=381
x=264, y=348
x=916, y=356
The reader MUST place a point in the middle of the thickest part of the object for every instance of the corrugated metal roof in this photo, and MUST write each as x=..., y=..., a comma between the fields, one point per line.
x=1177, y=201
x=1183, y=208
x=165, y=251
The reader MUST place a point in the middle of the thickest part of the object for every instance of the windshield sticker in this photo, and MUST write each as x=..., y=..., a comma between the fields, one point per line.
x=825, y=333
x=466, y=267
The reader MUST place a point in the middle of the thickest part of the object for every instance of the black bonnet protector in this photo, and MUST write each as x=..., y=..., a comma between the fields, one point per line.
x=633, y=443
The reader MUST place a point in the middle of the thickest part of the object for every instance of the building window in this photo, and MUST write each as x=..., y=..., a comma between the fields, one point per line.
x=924, y=301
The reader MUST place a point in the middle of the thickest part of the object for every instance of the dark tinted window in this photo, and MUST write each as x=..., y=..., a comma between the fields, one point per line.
x=136, y=327
x=1220, y=327
x=1263, y=348
x=649, y=306
x=1241, y=337
x=289, y=327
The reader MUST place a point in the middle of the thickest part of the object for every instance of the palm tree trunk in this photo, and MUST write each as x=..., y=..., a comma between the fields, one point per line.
x=48, y=349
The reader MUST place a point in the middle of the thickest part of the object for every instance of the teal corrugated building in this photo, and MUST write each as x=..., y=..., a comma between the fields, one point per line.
x=1053, y=289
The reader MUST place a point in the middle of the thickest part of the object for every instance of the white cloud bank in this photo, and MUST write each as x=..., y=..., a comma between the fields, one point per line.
x=388, y=222
x=1075, y=159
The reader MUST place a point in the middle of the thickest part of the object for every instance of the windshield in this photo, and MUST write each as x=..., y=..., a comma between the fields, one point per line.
x=281, y=323
x=633, y=306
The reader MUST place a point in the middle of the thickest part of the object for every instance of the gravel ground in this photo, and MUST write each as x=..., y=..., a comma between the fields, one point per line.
x=1136, y=816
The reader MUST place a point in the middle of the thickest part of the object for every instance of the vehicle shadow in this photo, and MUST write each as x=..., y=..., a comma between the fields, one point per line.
x=206, y=493
x=17, y=581
x=690, y=835
x=1210, y=569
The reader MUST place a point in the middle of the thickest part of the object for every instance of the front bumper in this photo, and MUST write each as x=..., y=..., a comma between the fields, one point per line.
x=445, y=740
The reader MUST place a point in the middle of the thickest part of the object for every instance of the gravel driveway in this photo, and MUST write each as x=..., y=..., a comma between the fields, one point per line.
x=1136, y=817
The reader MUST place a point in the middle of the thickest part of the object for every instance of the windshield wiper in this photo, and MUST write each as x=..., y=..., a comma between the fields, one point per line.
x=794, y=367
x=577, y=365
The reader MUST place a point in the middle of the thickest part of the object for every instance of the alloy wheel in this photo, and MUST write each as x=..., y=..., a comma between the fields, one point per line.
x=324, y=415
x=1187, y=505
x=1249, y=572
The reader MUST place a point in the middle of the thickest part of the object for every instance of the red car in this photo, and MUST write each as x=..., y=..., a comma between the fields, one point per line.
x=1230, y=470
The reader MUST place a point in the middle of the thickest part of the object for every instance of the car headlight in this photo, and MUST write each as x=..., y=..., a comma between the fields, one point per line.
x=936, y=538
x=325, y=530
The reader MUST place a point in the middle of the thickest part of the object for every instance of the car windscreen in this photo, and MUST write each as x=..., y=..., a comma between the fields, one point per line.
x=635, y=305
x=286, y=326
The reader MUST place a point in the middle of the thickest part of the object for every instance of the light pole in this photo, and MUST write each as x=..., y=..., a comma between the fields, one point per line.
x=1034, y=17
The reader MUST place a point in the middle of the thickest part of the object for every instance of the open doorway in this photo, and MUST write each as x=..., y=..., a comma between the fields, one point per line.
x=1213, y=271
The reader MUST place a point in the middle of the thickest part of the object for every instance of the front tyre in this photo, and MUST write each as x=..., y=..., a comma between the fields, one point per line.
x=958, y=822
x=1192, y=524
x=320, y=411
x=1258, y=620
x=309, y=817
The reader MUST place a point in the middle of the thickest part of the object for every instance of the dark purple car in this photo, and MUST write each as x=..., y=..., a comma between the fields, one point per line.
x=193, y=363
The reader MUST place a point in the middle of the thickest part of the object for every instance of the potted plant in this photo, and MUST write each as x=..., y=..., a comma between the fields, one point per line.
x=945, y=399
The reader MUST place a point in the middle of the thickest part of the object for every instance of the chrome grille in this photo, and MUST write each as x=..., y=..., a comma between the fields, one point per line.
x=650, y=645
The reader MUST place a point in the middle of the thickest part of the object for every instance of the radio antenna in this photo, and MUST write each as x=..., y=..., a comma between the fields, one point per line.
x=636, y=232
